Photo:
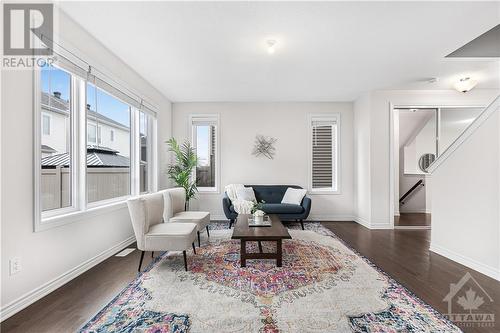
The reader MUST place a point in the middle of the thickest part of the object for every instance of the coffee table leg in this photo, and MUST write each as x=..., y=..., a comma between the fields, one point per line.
x=260, y=246
x=243, y=253
x=279, y=253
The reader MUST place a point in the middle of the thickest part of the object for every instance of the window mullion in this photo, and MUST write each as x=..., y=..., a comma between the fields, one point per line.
x=135, y=146
x=81, y=144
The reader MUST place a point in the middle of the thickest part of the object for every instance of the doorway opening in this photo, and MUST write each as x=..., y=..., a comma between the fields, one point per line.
x=420, y=136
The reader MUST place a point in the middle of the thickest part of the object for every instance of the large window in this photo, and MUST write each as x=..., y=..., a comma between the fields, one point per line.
x=204, y=131
x=55, y=144
x=93, y=144
x=324, y=153
x=108, y=163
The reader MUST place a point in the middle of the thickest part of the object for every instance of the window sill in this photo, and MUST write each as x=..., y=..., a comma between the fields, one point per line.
x=324, y=192
x=60, y=220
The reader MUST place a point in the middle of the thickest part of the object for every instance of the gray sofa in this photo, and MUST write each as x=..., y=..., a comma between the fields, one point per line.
x=272, y=196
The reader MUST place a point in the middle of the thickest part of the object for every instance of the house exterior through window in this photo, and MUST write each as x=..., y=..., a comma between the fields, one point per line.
x=112, y=153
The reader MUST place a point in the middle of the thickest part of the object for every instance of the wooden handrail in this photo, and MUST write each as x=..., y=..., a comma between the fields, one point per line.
x=417, y=184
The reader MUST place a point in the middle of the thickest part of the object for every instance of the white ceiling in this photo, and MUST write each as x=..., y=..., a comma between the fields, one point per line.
x=327, y=51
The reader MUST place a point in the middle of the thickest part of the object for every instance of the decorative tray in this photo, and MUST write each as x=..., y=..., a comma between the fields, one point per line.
x=265, y=222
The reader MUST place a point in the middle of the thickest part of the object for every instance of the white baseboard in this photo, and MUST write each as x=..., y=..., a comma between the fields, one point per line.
x=466, y=261
x=380, y=226
x=362, y=221
x=409, y=211
x=372, y=224
x=34, y=295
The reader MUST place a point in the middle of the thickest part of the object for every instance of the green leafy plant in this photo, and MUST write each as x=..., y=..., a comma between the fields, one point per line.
x=257, y=206
x=181, y=171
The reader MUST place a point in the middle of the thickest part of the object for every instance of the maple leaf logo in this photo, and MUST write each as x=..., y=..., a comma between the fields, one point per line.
x=471, y=301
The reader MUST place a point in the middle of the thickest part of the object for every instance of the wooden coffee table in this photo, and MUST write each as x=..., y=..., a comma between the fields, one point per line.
x=276, y=232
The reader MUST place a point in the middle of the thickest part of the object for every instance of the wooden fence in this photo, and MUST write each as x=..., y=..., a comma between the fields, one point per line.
x=102, y=183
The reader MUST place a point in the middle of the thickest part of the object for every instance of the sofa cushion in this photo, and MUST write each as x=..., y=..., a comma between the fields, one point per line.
x=293, y=196
x=270, y=193
x=274, y=208
x=245, y=193
x=201, y=219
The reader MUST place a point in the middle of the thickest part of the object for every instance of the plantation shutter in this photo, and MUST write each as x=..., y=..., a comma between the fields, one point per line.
x=323, y=154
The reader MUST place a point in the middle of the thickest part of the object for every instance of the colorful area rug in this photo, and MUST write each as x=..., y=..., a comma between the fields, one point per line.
x=323, y=286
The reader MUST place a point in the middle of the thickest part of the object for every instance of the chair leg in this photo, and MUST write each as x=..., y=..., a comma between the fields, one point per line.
x=199, y=239
x=185, y=260
x=140, y=262
x=302, y=224
x=194, y=248
x=152, y=254
x=208, y=232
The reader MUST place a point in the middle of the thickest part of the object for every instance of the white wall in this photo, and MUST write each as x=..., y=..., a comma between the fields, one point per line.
x=377, y=104
x=49, y=258
x=362, y=179
x=466, y=201
x=287, y=122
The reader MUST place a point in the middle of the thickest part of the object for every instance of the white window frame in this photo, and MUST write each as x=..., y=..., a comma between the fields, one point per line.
x=209, y=119
x=336, y=153
x=150, y=130
x=133, y=153
x=73, y=151
x=79, y=208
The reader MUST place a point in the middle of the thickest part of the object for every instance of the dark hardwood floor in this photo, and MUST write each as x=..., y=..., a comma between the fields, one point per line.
x=412, y=220
x=403, y=254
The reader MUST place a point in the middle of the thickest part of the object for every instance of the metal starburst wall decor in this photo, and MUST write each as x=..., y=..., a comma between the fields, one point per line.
x=264, y=146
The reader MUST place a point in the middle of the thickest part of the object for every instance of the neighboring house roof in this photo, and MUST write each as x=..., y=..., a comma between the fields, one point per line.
x=59, y=105
x=48, y=149
x=96, y=157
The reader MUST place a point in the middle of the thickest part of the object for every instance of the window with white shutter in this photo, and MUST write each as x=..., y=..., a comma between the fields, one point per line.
x=324, y=153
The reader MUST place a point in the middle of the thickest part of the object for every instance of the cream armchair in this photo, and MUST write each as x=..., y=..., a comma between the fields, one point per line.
x=175, y=201
x=152, y=234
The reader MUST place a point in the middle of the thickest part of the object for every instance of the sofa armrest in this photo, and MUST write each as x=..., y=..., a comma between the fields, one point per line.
x=306, y=203
x=226, y=204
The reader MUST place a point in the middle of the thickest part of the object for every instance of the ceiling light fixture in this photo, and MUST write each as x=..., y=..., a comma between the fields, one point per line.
x=271, y=46
x=465, y=84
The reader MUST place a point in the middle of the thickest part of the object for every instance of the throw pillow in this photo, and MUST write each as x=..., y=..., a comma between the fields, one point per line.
x=245, y=193
x=294, y=196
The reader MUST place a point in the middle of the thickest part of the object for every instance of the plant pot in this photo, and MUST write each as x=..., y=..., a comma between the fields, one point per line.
x=258, y=218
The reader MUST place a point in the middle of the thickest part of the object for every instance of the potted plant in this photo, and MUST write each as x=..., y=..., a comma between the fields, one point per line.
x=257, y=211
x=181, y=171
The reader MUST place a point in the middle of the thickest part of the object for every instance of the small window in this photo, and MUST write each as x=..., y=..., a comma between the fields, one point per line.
x=204, y=138
x=112, y=136
x=91, y=134
x=46, y=124
x=324, y=153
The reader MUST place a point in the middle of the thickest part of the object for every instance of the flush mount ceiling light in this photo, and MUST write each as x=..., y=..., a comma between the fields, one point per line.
x=271, y=46
x=465, y=84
